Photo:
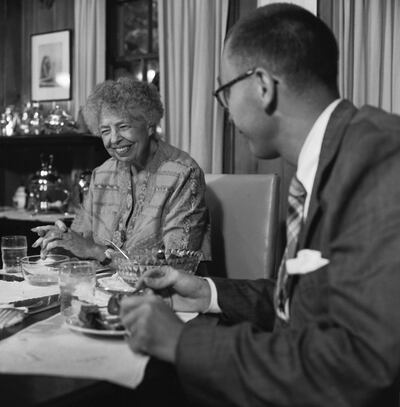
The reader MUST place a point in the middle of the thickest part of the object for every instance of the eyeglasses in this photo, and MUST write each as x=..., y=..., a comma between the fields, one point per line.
x=221, y=93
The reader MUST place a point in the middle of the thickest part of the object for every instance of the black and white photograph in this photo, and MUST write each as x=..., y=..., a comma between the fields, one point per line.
x=51, y=66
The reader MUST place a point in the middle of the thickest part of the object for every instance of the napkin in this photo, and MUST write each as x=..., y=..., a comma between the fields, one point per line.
x=11, y=291
x=50, y=348
x=305, y=262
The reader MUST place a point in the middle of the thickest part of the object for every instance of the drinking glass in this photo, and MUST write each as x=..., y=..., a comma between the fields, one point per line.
x=77, y=281
x=13, y=248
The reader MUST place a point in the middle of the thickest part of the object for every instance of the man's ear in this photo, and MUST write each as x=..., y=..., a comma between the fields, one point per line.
x=266, y=86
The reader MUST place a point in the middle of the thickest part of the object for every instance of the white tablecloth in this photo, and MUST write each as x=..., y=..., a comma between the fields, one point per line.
x=15, y=291
x=51, y=348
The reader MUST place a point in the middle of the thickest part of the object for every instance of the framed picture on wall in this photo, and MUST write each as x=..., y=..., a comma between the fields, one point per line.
x=51, y=66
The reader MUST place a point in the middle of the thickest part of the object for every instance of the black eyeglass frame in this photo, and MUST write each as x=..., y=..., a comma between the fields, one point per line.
x=217, y=93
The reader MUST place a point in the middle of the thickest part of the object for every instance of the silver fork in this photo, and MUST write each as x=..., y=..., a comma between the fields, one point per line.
x=116, y=247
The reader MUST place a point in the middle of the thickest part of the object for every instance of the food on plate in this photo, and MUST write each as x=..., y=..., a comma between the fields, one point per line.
x=89, y=315
x=93, y=317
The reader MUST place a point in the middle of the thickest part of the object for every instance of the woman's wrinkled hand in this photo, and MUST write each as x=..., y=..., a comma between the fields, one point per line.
x=58, y=235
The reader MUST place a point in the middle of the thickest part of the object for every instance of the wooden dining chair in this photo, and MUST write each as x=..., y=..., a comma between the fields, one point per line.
x=244, y=224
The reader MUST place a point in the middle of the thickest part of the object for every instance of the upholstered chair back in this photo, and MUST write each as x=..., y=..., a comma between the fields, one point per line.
x=244, y=224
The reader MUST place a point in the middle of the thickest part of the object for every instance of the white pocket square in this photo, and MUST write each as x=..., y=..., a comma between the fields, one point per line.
x=305, y=262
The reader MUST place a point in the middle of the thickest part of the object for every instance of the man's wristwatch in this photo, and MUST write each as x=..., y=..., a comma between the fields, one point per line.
x=108, y=257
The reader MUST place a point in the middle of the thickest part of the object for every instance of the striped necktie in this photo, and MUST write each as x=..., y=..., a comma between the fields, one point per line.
x=294, y=221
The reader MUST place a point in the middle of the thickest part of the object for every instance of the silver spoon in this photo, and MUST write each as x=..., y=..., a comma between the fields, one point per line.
x=116, y=247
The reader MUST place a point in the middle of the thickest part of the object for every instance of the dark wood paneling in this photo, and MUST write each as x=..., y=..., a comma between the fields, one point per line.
x=38, y=18
x=18, y=20
x=10, y=56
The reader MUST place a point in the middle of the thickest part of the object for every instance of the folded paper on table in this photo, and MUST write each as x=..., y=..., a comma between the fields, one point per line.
x=11, y=291
x=51, y=348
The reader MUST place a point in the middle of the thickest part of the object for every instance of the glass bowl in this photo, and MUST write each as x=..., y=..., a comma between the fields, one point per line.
x=38, y=271
x=141, y=261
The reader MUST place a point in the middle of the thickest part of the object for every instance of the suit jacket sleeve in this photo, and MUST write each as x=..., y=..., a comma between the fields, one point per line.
x=343, y=345
x=246, y=300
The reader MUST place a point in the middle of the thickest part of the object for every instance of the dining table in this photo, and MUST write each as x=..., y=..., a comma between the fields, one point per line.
x=37, y=366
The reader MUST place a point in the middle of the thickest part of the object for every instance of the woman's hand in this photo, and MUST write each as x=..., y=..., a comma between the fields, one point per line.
x=58, y=235
x=188, y=292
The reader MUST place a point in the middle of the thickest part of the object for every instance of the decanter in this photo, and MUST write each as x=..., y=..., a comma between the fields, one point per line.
x=47, y=191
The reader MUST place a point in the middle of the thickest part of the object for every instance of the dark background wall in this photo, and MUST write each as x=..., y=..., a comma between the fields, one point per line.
x=19, y=19
x=10, y=52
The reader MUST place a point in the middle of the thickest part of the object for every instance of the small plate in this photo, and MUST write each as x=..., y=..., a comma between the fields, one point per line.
x=114, y=285
x=90, y=331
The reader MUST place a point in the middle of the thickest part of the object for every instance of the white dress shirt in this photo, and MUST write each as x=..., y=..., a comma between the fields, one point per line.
x=307, y=165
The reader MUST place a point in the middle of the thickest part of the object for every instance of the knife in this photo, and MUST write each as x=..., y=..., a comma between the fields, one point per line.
x=35, y=305
x=42, y=309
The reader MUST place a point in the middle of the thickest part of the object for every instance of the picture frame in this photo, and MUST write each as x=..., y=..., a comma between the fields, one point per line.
x=51, y=66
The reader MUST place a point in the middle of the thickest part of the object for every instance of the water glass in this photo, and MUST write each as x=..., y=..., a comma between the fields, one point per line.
x=13, y=248
x=77, y=280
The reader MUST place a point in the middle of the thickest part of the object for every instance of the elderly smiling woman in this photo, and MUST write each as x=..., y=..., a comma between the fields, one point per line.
x=147, y=195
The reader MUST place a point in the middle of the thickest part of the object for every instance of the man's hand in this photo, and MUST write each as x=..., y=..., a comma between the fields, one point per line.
x=153, y=328
x=188, y=292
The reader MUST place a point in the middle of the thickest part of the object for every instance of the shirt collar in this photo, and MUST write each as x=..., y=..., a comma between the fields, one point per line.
x=309, y=154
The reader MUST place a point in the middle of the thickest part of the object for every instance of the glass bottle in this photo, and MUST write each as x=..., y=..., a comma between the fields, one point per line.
x=47, y=191
x=24, y=125
x=3, y=124
x=36, y=121
x=12, y=120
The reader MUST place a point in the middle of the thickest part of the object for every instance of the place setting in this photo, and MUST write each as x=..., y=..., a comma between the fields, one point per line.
x=88, y=321
x=88, y=295
x=97, y=314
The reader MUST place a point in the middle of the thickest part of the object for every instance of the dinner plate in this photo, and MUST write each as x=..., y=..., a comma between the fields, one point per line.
x=98, y=332
x=90, y=331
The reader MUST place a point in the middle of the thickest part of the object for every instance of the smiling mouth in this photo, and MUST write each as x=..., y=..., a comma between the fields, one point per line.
x=124, y=149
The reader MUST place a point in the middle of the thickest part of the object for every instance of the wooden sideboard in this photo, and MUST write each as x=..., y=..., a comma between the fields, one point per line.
x=20, y=158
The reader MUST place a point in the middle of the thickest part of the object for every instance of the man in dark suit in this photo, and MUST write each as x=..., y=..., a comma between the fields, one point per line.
x=335, y=339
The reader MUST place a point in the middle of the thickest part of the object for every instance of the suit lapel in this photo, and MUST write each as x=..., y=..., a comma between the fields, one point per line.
x=334, y=133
